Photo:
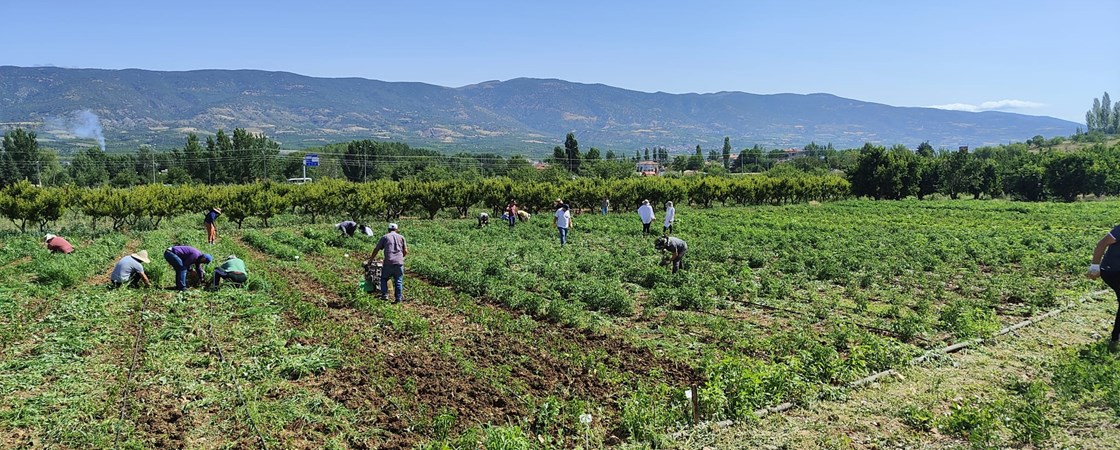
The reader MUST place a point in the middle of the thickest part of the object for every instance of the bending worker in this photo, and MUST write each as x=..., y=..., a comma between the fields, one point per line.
x=130, y=270
x=181, y=258
x=676, y=248
x=233, y=269
x=57, y=244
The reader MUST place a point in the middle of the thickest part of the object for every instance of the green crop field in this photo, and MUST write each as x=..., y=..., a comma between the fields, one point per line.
x=507, y=340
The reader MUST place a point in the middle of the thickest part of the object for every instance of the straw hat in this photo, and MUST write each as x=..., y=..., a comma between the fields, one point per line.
x=141, y=256
x=48, y=237
x=217, y=209
x=231, y=257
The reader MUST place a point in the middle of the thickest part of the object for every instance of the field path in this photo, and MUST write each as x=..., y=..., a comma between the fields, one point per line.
x=871, y=418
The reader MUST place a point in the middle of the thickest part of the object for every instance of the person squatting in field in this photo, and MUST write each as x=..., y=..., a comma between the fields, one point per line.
x=393, y=265
x=181, y=258
x=676, y=249
x=349, y=227
x=130, y=270
x=233, y=269
x=1106, y=266
x=645, y=212
x=483, y=220
x=208, y=223
x=670, y=216
x=56, y=244
x=523, y=215
x=563, y=221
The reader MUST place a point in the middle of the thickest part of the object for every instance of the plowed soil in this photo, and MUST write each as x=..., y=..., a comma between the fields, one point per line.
x=410, y=383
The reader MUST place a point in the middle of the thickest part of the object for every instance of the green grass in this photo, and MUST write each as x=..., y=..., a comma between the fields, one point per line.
x=777, y=303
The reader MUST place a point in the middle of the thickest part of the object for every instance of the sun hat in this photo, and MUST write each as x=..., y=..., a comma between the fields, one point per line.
x=208, y=257
x=219, y=210
x=231, y=257
x=645, y=202
x=393, y=226
x=141, y=256
x=667, y=204
x=49, y=237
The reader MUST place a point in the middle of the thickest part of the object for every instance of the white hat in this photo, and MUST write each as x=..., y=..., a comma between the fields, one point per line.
x=141, y=256
x=49, y=237
x=393, y=226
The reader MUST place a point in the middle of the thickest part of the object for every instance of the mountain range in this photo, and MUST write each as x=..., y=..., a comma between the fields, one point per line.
x=524, y=115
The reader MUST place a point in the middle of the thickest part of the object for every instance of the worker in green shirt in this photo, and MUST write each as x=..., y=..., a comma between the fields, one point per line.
x=233, y=269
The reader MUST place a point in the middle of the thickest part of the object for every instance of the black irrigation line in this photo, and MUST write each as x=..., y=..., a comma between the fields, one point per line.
x=138, y=319
x=237, y=386
x=866, y=381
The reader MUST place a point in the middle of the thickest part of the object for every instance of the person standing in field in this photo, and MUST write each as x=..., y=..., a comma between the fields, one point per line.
x=645, y=212
x=563, y=221
x=181, y=258
x=1106, y=266
x=56, y=244
x=511, y=212
x=676, y=249
x=393, y=265
x=208, y=222
x=130, y=270
x=670, y=216
x=606, y=205
x=233, y=269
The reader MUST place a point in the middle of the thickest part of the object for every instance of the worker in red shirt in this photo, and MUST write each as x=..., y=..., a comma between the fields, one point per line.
x=56, y=244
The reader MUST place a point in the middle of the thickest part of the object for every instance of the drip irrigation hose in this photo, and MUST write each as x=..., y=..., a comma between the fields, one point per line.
x=233, y=367
x=138, y=319
x=916, y=360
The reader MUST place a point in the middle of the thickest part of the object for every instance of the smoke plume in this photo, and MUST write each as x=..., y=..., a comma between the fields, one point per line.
x=81, y=124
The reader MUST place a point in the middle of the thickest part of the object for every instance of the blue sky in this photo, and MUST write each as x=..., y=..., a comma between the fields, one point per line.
x=1032, y=57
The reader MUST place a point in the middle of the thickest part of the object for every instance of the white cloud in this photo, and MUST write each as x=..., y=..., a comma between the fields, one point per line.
x=993, y=105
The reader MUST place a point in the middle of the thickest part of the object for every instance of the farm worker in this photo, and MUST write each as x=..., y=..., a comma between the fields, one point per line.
x=675, y=248
x=645, y=212
x=208, y=221
x=56, y=244
x=349, y=227
x=1106, y=266
x=393, y=265
x=606, y=205
x=483, y=220
x=563, y=221
x=670, y=215
x=523, y=215
x=511, y=213
x=130, y=270
x=181, y=258
x=233, y=269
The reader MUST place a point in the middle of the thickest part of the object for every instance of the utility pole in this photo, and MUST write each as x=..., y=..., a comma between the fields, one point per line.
x=38, y=173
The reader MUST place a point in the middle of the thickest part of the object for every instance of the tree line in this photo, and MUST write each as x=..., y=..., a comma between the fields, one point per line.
x=145, y=206
x=1019, y=171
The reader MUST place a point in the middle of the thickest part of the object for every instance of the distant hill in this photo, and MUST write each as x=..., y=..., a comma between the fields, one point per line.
x=524, y=115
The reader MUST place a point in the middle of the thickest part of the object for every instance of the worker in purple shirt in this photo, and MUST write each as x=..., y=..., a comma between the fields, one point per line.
x=181, y=258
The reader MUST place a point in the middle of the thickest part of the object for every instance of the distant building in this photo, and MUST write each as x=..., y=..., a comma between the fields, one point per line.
x=793, y=153
x=647, y=168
